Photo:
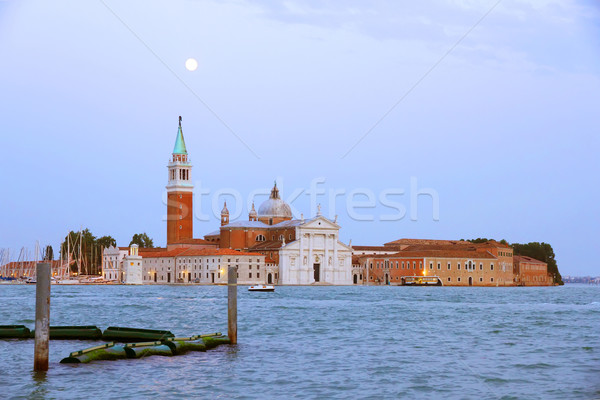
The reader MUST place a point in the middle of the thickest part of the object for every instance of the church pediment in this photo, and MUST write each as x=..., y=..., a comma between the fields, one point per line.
x=320, y=222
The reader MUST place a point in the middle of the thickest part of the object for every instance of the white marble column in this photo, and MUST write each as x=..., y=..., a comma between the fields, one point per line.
x=310, y=263
x=336, y=264
x=327, y=275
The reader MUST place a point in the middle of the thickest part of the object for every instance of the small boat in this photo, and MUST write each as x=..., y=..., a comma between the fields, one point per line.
x=68, y=282
x=421, y=281
x=31, y=280
x=262, y=288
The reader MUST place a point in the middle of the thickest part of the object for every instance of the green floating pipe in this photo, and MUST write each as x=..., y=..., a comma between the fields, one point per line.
x=145, y=349
x=89, y=332
x=14, y=332
x=108, y=351
x=213, y=341
x=134, y=334
x=182, y=345
x=166, y=347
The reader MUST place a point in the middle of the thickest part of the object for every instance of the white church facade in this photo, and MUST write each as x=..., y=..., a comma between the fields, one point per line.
x=316, y=256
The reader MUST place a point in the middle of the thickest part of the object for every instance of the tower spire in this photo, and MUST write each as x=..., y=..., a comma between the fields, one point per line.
x=224, y=215
x=179, y=142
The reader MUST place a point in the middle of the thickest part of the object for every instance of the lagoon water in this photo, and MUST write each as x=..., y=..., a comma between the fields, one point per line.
x=322, y=342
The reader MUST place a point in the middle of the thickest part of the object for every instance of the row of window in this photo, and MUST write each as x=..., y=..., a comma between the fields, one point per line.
x=195, y=260
x=469, y=266
x=480, y=279
x=183, y=275
x=151, y=276
x=381, y=265
x=535, y=278
x=262, y=238
x=211, y=267
x=533, y=267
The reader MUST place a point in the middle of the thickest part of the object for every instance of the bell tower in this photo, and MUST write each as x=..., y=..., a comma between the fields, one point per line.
x=179, y=193
x=224, y=215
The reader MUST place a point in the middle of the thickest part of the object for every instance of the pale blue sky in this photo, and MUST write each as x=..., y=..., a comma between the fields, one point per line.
x=505, y=128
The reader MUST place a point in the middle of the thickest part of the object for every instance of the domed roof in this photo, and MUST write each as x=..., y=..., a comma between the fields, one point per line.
x=274, y=206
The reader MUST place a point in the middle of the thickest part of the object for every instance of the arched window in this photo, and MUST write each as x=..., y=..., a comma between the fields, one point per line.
x=260, y=238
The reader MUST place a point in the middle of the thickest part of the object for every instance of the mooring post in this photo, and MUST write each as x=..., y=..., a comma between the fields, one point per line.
x=42, y=317
x=232, y=304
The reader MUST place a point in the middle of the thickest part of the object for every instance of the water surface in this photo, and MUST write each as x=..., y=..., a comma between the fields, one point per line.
x=322, y=342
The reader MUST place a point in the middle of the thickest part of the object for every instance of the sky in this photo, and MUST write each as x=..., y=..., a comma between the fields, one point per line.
x=442, y=119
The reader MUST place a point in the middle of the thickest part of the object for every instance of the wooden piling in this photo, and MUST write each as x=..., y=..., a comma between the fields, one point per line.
x=42, y=317
x=232, y=304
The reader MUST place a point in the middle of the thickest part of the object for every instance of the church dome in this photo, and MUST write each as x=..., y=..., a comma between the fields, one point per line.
x=274, y=207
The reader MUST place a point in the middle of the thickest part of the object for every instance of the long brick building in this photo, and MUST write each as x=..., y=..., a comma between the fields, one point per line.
x=451, y=263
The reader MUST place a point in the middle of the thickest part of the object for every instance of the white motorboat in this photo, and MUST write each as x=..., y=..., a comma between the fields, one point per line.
x=262, y=288
x=68, y=282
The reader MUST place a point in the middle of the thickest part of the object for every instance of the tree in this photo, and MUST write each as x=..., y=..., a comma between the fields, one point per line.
x=48, y=253
x=479, y=240
x=142, y=240
x=106, y=241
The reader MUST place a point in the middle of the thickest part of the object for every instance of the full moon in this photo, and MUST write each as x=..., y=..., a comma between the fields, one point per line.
x=191, y=64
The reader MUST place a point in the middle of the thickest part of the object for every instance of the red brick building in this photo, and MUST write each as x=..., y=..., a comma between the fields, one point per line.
x=531, y=272
x=454, y=263
x=265, y=232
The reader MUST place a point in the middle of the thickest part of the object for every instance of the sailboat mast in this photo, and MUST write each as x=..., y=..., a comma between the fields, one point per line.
x=69, y=254
x=79, y=260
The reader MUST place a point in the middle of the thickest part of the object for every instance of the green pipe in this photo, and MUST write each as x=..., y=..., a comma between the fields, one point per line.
x=14, y=332
x=183, y=345
x=108, y=351
x=134, y=334
x=88, y=332
x=214, y=341
x=145, y=349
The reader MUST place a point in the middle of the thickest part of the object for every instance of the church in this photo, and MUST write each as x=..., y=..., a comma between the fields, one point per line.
x=273, y=247
x=300, y=251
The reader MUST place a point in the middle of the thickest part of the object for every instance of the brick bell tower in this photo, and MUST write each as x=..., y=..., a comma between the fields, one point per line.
x=179, y=193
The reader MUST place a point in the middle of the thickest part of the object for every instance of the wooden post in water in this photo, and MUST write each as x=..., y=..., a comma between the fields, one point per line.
x=42, y=317
x=232, y=304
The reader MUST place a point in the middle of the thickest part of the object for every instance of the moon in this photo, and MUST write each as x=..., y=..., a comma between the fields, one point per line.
x=191, y=64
